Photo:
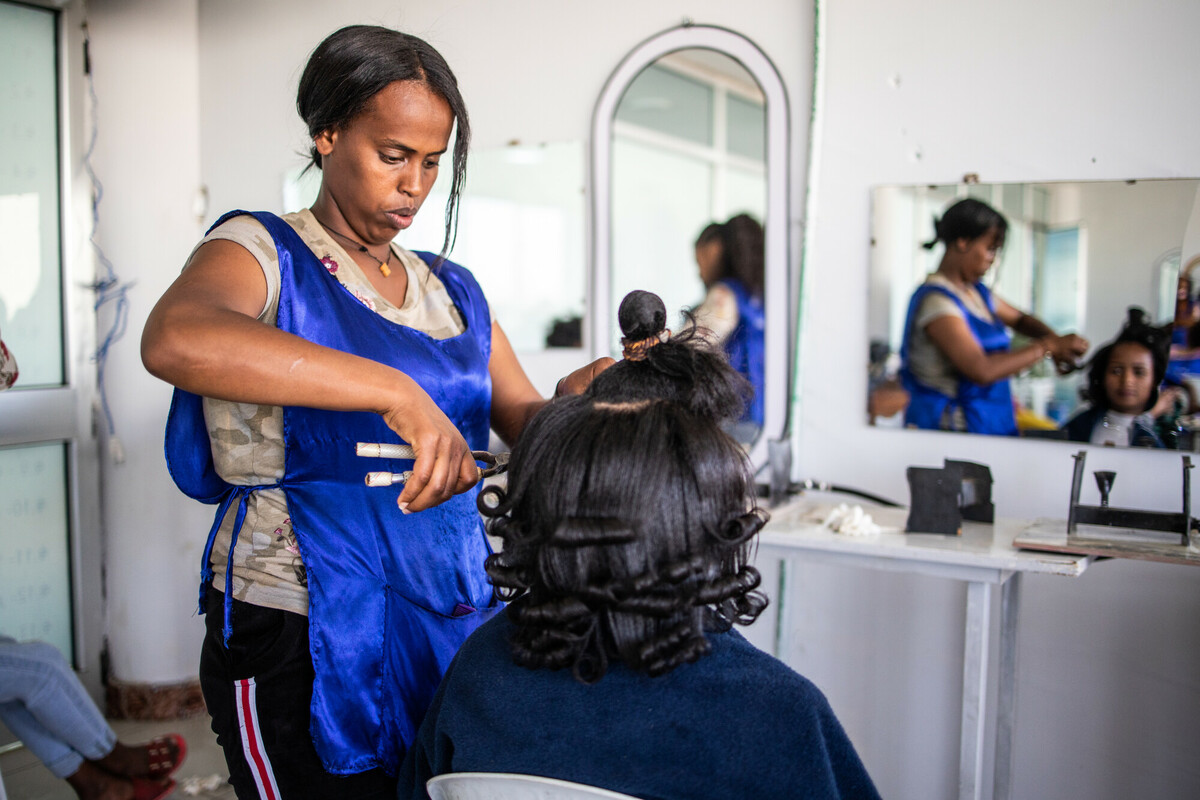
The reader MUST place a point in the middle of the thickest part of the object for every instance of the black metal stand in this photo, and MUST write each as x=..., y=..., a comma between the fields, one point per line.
x=1136, y=519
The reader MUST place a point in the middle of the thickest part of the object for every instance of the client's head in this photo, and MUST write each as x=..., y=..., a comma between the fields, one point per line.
x=627, y=522
x=682, y=368
x=1125, y=373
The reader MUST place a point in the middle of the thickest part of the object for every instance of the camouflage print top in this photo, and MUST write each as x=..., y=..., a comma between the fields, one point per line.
x=247, y=439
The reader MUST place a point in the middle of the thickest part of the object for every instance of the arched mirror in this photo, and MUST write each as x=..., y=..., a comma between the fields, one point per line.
x=690, y=131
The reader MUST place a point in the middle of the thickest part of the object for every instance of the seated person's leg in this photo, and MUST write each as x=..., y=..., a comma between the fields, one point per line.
x=44, y=704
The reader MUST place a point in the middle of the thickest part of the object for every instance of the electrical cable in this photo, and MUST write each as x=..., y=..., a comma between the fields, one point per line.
x=822, y=486
x=107, y=286
x=764, y=490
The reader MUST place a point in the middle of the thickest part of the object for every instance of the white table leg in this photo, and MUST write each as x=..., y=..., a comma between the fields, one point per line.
x=974, y=703
x=783, y=617
x=1010, y=606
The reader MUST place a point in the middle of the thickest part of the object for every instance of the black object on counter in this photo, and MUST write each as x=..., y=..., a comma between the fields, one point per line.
x=941, y=498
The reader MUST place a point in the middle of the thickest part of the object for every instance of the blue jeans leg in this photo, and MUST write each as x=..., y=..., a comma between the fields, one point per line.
x=45, y=705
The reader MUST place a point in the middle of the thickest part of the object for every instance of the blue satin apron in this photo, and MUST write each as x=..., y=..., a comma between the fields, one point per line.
x=391, y=596
x=745, y=346
x=986, y=409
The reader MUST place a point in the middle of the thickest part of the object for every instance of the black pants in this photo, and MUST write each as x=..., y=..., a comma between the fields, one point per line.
x=258, y=691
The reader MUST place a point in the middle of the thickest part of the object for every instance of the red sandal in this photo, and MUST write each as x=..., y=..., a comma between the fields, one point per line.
x=145, y=789
x=165, y=754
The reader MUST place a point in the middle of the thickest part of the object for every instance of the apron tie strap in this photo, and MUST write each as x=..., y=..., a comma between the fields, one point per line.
x=242, y=495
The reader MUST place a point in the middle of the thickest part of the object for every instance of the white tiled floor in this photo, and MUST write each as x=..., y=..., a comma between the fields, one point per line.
x=26, y=779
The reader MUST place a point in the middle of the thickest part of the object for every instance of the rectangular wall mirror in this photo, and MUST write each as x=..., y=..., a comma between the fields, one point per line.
x=1077, y=255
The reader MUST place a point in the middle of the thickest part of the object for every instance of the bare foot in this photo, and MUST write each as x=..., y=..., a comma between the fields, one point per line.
x=92, y=783
x=142, y=760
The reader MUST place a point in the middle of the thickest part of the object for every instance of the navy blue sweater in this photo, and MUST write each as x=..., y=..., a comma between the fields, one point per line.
x=737, y=723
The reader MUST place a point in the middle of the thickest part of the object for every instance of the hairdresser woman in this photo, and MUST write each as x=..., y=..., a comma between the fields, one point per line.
x=956, y=359
x=730, y=258
x=290, y=339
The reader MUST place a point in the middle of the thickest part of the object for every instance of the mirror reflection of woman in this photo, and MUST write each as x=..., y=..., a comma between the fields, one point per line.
x=956, y=355
x=1184, y=365
x=730, y=259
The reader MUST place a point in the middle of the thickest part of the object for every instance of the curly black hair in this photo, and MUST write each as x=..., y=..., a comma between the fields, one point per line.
x=628, y=521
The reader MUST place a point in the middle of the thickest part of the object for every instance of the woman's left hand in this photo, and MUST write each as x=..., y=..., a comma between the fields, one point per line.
x=514, y=400
x=580, y=379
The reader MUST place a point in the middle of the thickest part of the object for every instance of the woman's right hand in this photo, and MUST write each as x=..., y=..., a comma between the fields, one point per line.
x=1066, y=351
x=444, y=465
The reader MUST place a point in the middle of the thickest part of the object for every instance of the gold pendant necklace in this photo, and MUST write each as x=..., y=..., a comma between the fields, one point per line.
x=362, y=248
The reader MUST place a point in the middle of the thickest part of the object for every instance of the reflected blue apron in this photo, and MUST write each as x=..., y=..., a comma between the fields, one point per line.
x=391, y=596
x=745, y=346
x=986, y=409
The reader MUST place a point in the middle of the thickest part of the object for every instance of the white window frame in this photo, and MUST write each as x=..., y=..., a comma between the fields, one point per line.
x=65, y=413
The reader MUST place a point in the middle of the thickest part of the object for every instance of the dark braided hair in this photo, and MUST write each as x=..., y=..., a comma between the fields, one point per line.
x=627, y=521
x=742, y=250
x=356, y=63
x=967, y=219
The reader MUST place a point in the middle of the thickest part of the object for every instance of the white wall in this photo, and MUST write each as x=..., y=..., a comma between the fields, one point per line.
x=144, y=60
x=1029, y=91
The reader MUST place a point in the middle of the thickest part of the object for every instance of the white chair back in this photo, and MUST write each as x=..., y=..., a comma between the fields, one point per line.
x=509, y=786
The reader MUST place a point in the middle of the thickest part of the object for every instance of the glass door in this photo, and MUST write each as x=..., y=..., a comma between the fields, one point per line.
x=49, y=496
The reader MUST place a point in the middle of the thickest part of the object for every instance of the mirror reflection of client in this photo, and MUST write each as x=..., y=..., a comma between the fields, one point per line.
x=956, y=359
x=627, y=527
x=1123, y=387
x=730, y=258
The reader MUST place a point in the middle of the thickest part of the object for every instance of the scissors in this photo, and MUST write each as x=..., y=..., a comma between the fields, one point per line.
x=497, y=463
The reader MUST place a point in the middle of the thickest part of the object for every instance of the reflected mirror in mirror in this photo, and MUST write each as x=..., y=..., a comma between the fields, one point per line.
x=520, y=233
x=689, y=193
x=987, y=346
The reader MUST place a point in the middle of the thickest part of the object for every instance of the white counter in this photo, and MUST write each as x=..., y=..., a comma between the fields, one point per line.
x=983, y=556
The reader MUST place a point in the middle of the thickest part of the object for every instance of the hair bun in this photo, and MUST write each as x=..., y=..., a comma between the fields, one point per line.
x=641, y=315
x=1156, y=338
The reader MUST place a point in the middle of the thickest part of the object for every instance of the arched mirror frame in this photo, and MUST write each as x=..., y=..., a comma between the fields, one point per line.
x=779, y=334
